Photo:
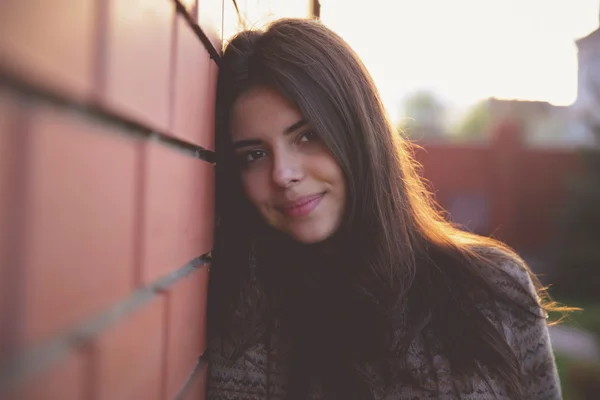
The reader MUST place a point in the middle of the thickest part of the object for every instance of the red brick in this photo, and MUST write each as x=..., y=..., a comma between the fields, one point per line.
x=210, y=19
x=179, y=206
x=186, y=330
x=7, y=114
x=197, y=388
x=49, y=43
x=65, y=380
x=81, y=201
x=138, y=60
x=11, y=139
x=192, y=102
x=130, y=356
x=8, y=119
x=8, y=111
x=212, y=94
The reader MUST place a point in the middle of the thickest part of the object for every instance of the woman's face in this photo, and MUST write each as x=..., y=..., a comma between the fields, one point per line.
x=287, y=172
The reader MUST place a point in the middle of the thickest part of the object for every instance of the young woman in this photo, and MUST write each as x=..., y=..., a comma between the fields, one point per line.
x=334, y=277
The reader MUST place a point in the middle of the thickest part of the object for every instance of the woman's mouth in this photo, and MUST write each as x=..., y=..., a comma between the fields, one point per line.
x=302, y=207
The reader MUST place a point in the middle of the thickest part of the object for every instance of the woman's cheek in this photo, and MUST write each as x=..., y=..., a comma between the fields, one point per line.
x=253, y=184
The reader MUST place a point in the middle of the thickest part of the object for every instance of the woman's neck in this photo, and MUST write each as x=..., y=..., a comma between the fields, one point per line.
x=330, y=248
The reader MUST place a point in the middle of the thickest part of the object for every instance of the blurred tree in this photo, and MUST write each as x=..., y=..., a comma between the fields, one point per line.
x=423, y=115
x=475, y=122
x=405, y=126
x=424, y=107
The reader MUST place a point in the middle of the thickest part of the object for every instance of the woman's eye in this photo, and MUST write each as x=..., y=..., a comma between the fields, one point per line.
x=253, y=155
x=308, y=136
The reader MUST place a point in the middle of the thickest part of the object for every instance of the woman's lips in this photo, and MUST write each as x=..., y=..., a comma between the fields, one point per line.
x=303, y=206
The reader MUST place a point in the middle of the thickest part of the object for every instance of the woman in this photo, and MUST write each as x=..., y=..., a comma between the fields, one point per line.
x=334, y=277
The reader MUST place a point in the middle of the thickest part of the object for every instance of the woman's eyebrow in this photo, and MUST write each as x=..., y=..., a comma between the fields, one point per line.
x=295, y=126
x=246, y=143
x=256, y=142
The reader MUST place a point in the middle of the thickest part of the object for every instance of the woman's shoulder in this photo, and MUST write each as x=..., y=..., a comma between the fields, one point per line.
x=523, y=321
x=509, y=272
x=516, y=290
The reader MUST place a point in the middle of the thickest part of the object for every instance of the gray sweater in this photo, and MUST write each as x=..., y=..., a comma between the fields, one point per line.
x=255, y=375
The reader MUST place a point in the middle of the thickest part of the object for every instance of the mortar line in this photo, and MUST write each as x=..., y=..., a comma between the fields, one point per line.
x=41, y=357
x=200, y=364
x=98, y=114
x=208, y=46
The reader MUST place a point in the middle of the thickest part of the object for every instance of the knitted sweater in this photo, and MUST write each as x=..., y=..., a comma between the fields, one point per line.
x=255, y=375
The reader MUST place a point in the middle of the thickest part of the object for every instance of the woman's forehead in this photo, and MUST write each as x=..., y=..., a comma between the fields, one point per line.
x=262, y=111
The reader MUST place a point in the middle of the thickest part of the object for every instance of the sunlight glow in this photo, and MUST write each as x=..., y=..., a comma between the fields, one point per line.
x=465, y=50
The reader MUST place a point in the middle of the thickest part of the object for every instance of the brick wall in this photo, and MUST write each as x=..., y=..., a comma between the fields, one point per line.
x=106, y=196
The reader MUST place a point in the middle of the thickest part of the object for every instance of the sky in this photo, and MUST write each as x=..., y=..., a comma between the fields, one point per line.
x=467, y=50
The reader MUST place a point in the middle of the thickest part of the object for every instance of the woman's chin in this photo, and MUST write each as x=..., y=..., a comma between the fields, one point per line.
x=310, y=235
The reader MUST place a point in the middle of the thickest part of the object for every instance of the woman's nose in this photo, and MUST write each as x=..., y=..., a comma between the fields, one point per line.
x=287, y=170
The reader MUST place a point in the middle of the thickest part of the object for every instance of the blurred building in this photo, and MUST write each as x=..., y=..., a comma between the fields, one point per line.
x=546, y=125
x=587, y=106
x=543, y=124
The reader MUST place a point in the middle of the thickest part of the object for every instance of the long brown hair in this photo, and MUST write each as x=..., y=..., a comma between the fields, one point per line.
x=403, y=265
